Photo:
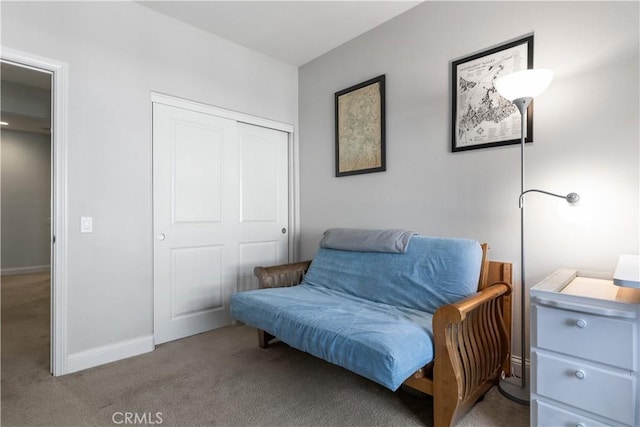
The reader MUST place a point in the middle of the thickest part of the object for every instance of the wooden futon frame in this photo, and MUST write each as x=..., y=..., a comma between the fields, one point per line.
x=472, y=339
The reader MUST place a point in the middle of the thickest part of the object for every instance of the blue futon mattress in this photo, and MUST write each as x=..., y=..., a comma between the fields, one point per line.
x=381, y=342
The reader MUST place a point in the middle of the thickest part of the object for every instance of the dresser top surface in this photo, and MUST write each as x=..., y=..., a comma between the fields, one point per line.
x=570, y=282
x=601, y=289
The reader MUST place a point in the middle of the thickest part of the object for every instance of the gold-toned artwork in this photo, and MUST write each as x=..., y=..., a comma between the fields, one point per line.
x=360, y=133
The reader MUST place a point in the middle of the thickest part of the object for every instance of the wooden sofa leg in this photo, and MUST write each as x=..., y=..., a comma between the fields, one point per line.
x=443, y=412
x=264, y=338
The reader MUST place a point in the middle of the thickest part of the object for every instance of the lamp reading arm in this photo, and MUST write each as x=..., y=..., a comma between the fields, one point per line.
x=570, y=198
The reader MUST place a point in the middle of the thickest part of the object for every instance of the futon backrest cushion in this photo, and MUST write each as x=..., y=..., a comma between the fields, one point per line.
x=433, y=272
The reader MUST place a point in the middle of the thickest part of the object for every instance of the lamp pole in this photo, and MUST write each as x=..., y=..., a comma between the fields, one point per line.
x=520, y=88
x=522, y=104
x=514, y=392
x=520, y=393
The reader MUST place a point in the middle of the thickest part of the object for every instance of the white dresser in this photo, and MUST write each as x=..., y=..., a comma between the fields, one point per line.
x=585, y=352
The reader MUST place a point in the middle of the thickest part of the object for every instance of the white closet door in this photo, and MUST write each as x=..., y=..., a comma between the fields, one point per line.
x=213, y=216
x=264, y=210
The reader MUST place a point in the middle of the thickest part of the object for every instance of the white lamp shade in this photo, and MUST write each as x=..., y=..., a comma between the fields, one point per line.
x=523, y=84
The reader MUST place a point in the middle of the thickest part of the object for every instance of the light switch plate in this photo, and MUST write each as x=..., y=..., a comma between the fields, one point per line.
x=86, y=224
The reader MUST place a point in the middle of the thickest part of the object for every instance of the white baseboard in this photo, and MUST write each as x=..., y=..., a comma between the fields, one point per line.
x=516, y=367
x=110, y=353
x=25, y=270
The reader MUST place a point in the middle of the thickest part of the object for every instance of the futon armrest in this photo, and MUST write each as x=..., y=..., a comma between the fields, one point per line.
x=280, y=276
x=471, y=346
x=458, y=311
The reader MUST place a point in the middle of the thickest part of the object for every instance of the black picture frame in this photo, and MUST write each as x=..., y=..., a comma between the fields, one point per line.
x=360, y=141
x=480, y=117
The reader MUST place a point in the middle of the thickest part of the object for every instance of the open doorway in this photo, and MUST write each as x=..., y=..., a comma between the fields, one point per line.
x=26, y=148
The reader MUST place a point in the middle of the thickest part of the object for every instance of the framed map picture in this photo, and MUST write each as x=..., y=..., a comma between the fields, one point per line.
x=360, y=128
x=481, y=117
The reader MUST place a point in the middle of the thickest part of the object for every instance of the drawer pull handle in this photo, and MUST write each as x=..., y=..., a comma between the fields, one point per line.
x=581, y=323
x=580, y=425
x=580, y=374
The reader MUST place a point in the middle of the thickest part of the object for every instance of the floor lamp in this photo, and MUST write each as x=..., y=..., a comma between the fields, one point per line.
x=520, y=88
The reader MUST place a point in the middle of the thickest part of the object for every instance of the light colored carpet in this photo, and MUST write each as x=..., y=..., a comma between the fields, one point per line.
x=217, y=378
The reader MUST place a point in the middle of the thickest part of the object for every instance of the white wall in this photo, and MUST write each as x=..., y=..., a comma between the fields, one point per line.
x=117, y=53
x=26, y=188
x=586, y=134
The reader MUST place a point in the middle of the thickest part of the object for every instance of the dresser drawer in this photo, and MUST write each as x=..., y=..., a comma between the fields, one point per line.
x=545, y=415
x=588, y=336
x=584, y=386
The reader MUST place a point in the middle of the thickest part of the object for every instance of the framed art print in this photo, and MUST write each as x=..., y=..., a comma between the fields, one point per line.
x=360, y=128
x=480, y=116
